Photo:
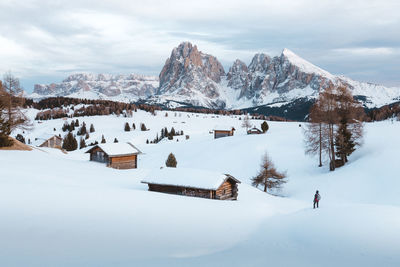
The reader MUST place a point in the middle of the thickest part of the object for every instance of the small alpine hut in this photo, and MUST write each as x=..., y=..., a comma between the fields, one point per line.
x=194, y=183
x=254, y=130
x=48, y=140
x=115, y=155
x=223, y=131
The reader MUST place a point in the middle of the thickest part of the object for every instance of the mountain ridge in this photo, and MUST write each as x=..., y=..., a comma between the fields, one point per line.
x=193, y=77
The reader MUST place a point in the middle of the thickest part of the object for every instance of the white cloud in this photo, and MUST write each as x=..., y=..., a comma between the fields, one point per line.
x=54, y=38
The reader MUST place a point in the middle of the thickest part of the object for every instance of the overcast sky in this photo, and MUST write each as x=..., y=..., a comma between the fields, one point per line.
x=45, y=41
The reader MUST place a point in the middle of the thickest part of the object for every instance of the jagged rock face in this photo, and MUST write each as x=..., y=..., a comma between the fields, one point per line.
x=238, y=77
x=188, y=72
x=133, y=86
x=279, y=75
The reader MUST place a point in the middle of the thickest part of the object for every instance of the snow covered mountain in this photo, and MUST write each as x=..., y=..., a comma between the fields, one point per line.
x=193, y=77
x=100, y=86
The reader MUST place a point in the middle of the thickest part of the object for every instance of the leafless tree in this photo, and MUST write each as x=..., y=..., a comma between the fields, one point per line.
x=315, y=133
x=246, y=123
x=268, y=177
x=11, y=96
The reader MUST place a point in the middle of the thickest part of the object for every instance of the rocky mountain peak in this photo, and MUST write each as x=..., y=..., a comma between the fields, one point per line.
x=260, y=62
x=188, y=71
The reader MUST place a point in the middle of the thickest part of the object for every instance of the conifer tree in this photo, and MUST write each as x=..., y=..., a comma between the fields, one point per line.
x=127, y=127
x=103, y=140
x=344, y=143
x=65, y=127
x=171, y=161
x=82, y=130
x=82, y=143
x=87, y=136
x=76, y=123
x=143, y=127
x=69, y=142
x=264, y=127
x=133, y=126
x=91, y=128
x=115, y=140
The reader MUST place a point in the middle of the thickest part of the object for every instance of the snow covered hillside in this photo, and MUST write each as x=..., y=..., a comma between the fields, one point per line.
x=63, y=210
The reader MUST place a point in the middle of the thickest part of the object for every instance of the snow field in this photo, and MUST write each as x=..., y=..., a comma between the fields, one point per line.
x=60, y=209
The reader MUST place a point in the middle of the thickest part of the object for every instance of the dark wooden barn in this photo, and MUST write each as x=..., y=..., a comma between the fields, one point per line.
x=194, y=183
x=115, y=155
x=223, y=132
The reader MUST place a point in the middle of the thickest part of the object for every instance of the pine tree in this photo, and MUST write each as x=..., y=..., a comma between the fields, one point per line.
x=172, y=133
x=103, y=140
x=147, y=141
x=69, y=142
x=268, y=176
x=82, y=143
x=91, y=128
x=143, y=127
x=82, y=130
x=65, y=127
x=171, y=161
x=162, y=134
x=133, y=126
x=127, y=127
x=344, y=143
x=115, y=140
x=76, y=123
x=87, y=136
x=72, y=126
x=264, y=127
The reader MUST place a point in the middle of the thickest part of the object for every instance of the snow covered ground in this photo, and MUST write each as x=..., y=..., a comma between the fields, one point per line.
x=63, y=210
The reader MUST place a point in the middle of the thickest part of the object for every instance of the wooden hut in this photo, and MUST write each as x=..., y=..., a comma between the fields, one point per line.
x=115, y=155
x=194, y=183
x=48, y=140
x=254, y=130
x=223, y=131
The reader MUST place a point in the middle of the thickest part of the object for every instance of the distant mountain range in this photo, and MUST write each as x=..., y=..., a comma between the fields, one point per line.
x=191, y=77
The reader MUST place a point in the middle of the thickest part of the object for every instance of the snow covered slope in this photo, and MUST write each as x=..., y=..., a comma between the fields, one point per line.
x=61, y=209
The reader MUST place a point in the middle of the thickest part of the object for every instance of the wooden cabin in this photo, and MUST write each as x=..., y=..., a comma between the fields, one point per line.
x=254, y=130
x=49, y=140
x=115, y=155
x=194, y=183
x=223, y=132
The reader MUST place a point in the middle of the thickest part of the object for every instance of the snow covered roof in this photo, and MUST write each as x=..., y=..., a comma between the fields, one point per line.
x=221, y=127
x=184, y=177
x=117, y=149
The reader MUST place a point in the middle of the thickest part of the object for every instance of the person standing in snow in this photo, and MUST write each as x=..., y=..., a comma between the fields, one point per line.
x=317, y=198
